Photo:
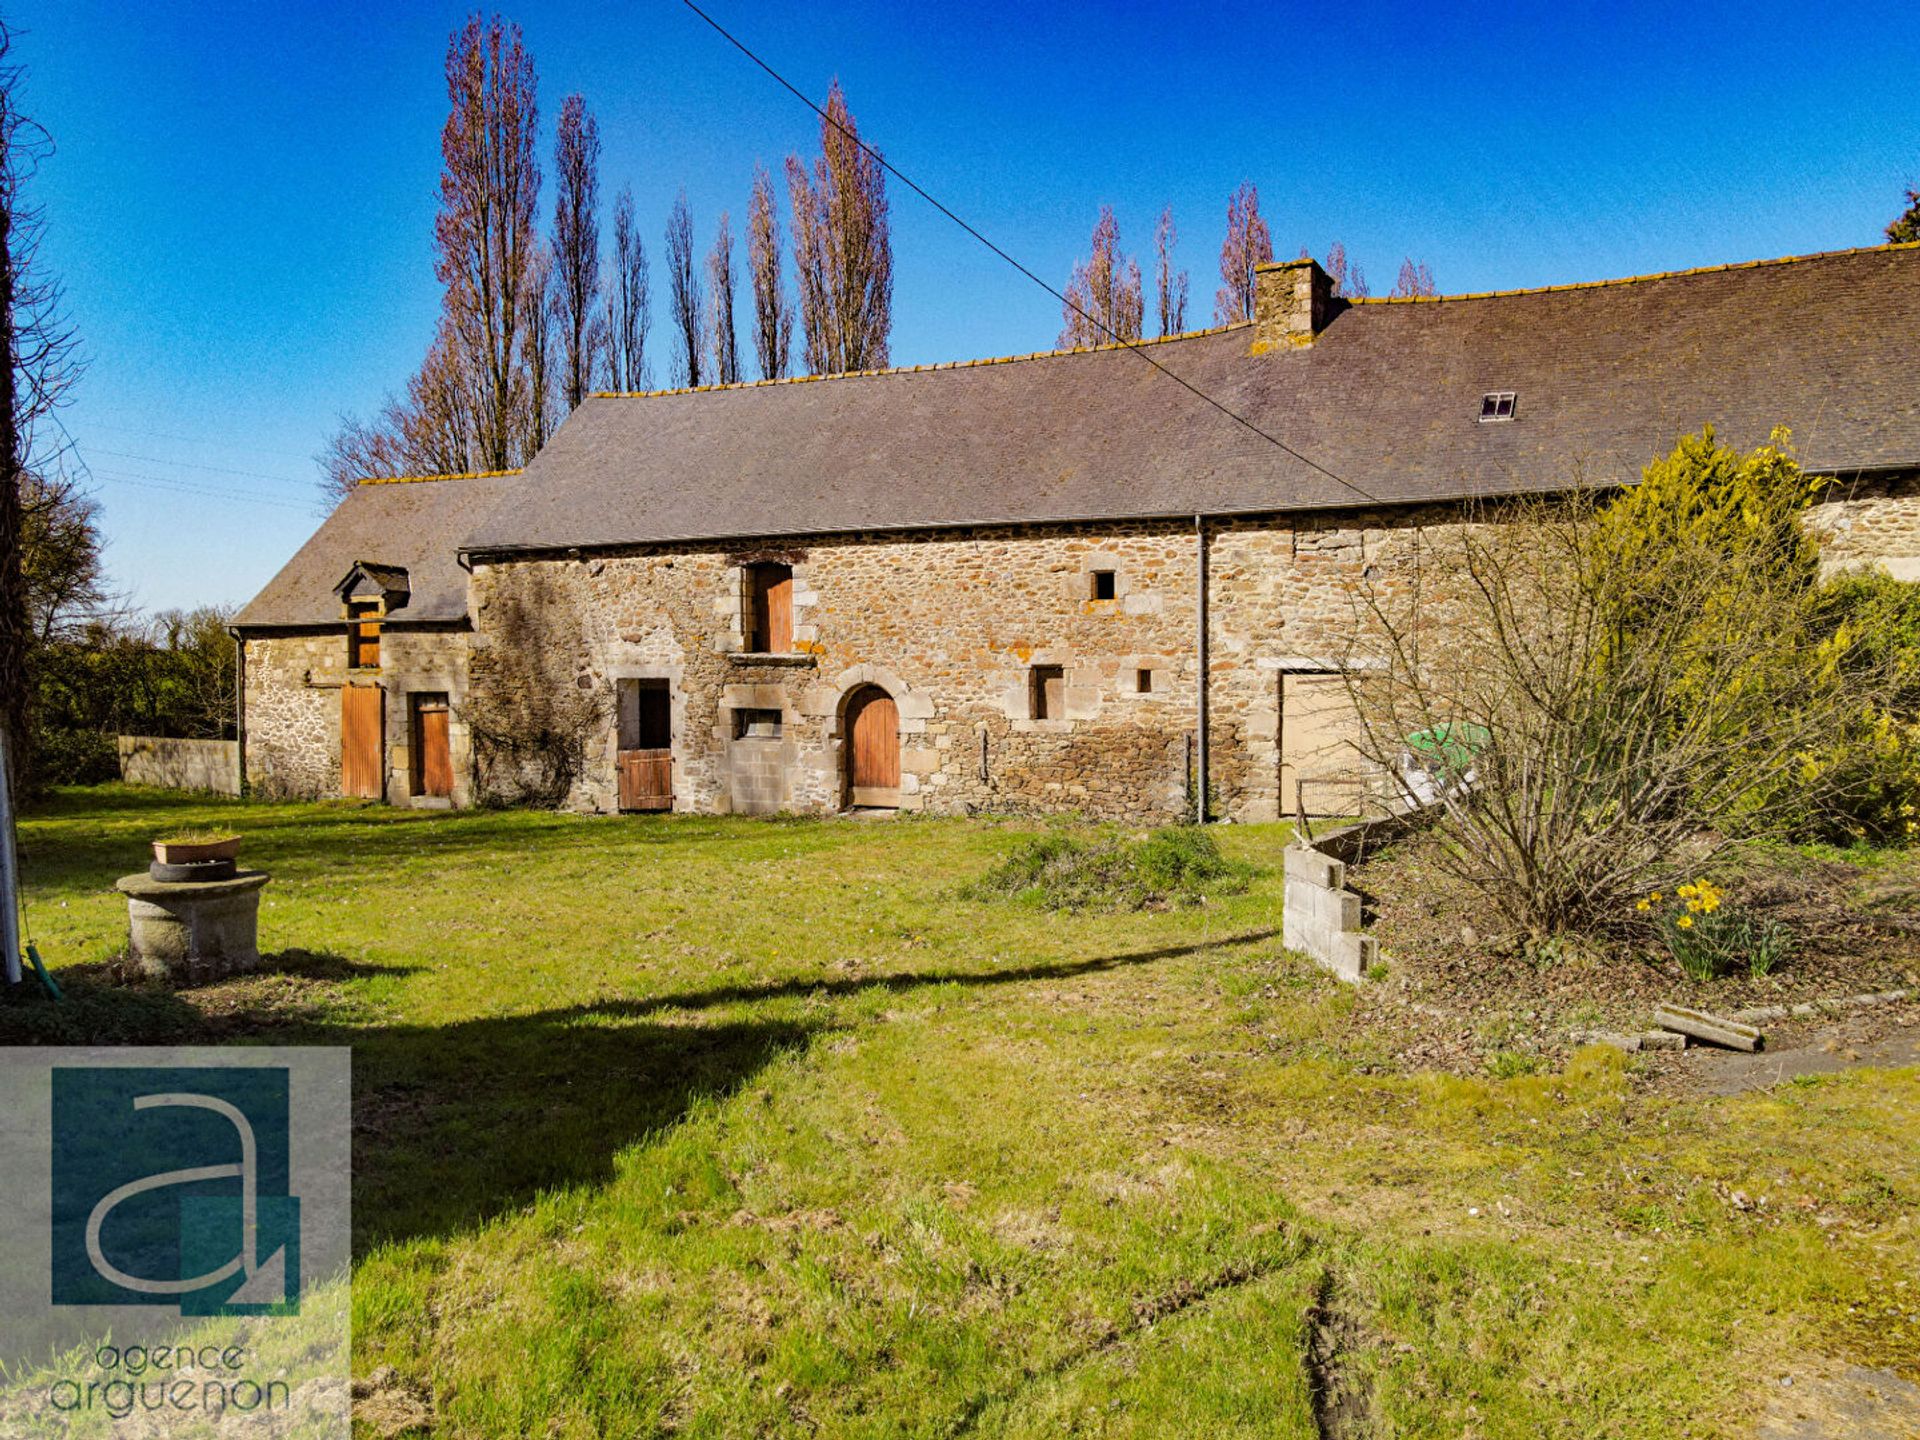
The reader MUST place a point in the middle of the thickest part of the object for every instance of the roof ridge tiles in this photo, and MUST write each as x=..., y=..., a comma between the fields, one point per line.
x=427, y=479
x=1634, y=279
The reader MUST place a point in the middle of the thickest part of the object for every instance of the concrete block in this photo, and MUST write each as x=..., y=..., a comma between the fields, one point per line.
x=1314, y=868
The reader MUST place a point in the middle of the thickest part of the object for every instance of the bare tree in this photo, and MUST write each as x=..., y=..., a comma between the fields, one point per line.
x=484, y=234
x=1171, y=286
x=42, y=365
x=1414, y=280
x=1103, y=298
x=842, y=249
x=1248, y=243
x=772, y=314
x=725, y=344
x=689, y=305
x=1349, y=281
x=629, y=314
x=470, y=406
x=576, y=246
x=537, y=349
x=62, y=560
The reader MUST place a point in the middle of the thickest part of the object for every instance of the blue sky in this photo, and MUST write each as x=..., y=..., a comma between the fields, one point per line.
x=241, y=201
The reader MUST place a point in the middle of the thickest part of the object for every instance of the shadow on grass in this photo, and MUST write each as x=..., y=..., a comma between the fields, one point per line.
x=90, y=838
x=457, y=1123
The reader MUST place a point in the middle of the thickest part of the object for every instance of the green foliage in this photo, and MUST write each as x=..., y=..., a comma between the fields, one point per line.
x=1871, y=764
x=1905, y=228
x=173, y=676
x=1710, y=936
x=1181, y=865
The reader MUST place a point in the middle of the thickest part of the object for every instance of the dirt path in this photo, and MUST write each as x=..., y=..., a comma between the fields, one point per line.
x=1888, y=1039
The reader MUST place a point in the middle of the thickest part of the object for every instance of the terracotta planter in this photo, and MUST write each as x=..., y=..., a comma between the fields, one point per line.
x=189, y=852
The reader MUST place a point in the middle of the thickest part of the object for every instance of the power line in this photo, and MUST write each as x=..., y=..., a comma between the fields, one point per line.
x=1132, y=345
x=159, y=482
x=196, y=465
x=193, y=440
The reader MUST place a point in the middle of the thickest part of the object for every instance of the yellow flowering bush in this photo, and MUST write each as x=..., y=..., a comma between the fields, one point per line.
x=1708, y=936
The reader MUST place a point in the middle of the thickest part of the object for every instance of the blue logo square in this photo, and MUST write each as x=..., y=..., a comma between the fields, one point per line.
x=170, y=1187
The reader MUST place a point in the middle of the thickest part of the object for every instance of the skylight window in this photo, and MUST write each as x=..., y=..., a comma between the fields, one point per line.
x=1496, y=405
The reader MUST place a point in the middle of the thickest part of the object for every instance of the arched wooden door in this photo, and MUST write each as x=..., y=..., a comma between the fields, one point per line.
x=873, y=749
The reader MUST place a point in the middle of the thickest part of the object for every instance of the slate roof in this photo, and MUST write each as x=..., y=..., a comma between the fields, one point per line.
x=413, y=525
x=1387, y=398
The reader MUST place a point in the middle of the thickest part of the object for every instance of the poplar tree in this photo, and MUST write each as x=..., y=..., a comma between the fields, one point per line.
x=842, y=250
x=1415, y=279
x=1248, y=243
x=1103, y=297
x=772, y=312
x=683, y=284
x=629, y=312
x=576, y=246
x=725, y=344
x=484, y=234
x=1170, y=286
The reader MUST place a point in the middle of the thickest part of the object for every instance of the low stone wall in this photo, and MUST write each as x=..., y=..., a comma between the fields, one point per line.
x=180, y=764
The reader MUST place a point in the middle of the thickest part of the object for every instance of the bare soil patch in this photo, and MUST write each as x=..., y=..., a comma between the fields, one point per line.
x=1462, y=993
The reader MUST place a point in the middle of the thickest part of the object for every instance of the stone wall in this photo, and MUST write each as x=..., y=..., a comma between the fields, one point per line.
x=293, y=683
x=952, y=626
x=1872, y=522
x=180, y=764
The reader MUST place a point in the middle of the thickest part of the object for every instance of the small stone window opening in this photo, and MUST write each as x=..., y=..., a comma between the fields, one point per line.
x=769, y=609
x=363, y=635
x=1103, y=584
x=1143, y=681
x=1049, y=692
x=756, y=724
x=1497, y=405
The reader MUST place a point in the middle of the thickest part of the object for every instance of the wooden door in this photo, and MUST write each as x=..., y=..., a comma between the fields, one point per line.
x=432, y=754
x=773, y=609
x=363, y=716
x=645, y=761
x=873, y=749
x=1321, y=768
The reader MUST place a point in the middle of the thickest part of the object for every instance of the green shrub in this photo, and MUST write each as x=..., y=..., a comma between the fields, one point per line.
x=1177, y=866
x=1710, y=936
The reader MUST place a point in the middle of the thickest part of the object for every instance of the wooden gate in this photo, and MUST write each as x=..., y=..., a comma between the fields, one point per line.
x=646, y=745
x=873, y=749
x=363, y=715
x=432, y=755
x=1321, y=768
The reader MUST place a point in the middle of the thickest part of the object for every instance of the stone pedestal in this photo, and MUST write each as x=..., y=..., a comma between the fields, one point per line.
x=187, y=931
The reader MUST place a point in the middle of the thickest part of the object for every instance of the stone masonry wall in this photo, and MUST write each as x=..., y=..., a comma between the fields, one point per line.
x=1872, y=522
x=951, y=626
x=293, y=685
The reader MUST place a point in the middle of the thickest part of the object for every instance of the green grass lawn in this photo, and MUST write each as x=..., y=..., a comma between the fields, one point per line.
x=728, y=1127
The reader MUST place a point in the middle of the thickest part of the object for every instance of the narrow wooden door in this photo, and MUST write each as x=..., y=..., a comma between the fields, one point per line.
x=646, y=745
x=1321, y=768
x=363, y=715
x=773, y=609
x=873, y=749
x=432, y=754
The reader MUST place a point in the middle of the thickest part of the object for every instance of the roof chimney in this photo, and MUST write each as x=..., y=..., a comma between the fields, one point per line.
x=1292, y=303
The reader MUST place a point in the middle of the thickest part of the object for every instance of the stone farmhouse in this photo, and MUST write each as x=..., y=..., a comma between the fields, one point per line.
x=1055, y=582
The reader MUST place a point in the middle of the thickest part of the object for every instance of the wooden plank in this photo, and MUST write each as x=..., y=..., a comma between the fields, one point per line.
x=362, y=723
x=1699, y=1025
x=1321, y=768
